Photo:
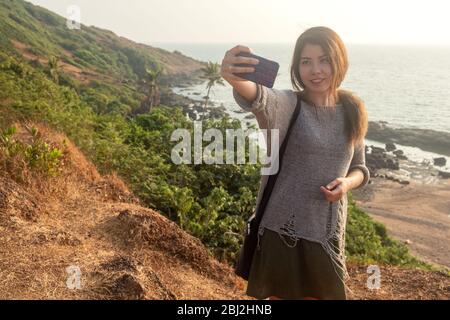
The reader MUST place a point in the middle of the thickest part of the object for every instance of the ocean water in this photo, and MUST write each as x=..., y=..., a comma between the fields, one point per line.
x=407, y=86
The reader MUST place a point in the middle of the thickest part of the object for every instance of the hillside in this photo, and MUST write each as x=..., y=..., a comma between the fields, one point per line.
x=92, y=58
x=88, y=53
x=82, y=218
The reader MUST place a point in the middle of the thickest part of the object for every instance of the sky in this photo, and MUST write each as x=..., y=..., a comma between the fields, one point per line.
x=400, y=22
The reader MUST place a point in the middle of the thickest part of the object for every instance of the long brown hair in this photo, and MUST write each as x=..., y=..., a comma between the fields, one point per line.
x=356, y=120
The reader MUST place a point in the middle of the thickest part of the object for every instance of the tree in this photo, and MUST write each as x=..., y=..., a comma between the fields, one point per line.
x=153, y=94
x=211, y=73
x=53, y=69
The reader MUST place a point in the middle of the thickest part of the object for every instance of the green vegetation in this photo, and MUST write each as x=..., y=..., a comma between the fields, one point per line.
x=19, y=158
x=53, y=69
x=212, y=202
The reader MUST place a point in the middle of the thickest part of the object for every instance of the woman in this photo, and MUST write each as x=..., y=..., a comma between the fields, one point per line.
x=301, y=248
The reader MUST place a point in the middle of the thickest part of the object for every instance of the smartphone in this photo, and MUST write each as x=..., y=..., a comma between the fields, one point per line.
x=265, y=72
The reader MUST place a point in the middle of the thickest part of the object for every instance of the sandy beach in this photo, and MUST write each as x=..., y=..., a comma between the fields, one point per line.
x=417, y=214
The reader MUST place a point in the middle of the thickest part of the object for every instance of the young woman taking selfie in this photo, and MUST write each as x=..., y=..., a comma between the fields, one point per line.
x=301, y=237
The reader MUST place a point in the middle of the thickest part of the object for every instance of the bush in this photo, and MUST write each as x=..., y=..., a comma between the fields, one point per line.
x=18, y=158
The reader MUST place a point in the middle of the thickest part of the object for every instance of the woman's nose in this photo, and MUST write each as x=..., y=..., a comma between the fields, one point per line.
x=316, y=69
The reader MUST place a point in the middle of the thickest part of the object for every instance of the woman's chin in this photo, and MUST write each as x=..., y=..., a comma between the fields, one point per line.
x=318, y=90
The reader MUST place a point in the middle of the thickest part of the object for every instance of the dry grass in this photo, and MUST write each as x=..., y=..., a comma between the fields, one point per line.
x=79, y=218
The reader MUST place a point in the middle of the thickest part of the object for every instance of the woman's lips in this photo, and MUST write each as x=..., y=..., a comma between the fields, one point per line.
x=317, y=82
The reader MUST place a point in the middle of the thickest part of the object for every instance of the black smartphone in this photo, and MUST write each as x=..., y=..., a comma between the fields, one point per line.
x=265, y=72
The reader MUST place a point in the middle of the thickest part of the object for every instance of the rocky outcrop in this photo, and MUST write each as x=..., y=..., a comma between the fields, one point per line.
x=425, y=139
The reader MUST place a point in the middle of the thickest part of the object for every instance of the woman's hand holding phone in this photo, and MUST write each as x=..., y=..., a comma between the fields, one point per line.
x=245, y=88
x=230, y=61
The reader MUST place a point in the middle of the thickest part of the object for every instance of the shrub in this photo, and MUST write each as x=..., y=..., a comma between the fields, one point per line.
x=18, y=158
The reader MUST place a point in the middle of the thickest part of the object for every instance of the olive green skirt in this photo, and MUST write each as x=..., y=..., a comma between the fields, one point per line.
x=294, y=273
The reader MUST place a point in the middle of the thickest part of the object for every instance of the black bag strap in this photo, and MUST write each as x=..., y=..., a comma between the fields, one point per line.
x=273, y=178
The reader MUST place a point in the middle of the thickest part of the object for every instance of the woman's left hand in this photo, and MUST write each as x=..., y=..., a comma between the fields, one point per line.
x=339, y=187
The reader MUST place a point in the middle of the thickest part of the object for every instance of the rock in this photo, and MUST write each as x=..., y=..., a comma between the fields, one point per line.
x=440, y=162
x=425, y=139
x=407, y=241
x=377, y=150
x=398, y=152
x=444, y=175
x=404, y=182
x=390, y=147
x=392, y=164
x=378, y=160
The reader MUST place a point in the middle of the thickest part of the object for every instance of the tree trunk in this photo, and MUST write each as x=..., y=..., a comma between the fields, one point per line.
x=150, y=99
x=206, y=103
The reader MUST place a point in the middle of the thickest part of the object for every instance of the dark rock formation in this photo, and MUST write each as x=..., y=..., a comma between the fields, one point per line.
x=425, y=139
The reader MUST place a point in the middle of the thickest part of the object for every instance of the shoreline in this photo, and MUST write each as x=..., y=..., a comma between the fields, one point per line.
x=417, y=214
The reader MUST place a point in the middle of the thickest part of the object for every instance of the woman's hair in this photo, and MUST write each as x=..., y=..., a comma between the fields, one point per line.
x=356, y=121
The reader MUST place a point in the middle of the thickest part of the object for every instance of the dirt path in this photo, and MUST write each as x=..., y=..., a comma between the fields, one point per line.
x=418, y=214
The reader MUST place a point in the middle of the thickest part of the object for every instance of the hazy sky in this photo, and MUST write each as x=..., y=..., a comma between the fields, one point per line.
x=250, y=21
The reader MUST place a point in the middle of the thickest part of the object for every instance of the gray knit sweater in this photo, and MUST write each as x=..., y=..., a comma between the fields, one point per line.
x=316, y=154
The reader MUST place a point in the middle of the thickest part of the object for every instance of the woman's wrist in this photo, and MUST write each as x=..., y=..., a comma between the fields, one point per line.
x=353, y=179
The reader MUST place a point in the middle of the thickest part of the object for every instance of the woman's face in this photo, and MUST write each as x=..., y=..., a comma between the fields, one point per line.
x=315, y=65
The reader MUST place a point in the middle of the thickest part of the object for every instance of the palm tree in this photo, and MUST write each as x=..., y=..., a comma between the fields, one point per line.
x=53, y=68
x=152, y=76
x=211, y=73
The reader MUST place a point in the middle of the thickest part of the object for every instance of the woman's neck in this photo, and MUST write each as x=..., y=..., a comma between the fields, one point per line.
x=322, y=100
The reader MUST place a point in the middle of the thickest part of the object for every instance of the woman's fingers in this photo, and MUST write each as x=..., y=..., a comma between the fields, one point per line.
x=235, y=78
x=229, y=71
x=233, y=69
x=228, y=68
x=244, y=60
x=334, y=195
x=239, y=48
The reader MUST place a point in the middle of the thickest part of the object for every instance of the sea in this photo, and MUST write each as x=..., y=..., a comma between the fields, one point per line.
x=406, y=86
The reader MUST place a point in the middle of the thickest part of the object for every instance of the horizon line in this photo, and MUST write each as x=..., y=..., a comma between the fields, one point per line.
x=287, y=42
